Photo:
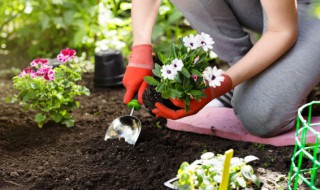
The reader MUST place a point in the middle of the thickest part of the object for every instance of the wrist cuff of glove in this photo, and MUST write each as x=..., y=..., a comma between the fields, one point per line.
x=141, y=56
x=226, y=86
x=141, y=46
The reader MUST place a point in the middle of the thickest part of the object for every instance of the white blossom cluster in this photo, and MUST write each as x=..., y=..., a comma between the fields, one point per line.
x=211, y=75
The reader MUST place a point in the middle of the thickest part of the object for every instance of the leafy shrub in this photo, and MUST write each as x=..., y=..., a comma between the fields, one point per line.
x=50, y=91
x=185, y=73
x=86, y=25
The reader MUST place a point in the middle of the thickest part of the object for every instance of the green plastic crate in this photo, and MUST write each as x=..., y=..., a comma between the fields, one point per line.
x=305, y=161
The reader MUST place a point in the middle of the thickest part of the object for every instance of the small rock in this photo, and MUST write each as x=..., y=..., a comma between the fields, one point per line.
x=72, y=177
x=261, y=170
x=14, y=174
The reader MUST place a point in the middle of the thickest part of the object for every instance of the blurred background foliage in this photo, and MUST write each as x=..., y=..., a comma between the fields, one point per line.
x=316, y=8
x=32, y=28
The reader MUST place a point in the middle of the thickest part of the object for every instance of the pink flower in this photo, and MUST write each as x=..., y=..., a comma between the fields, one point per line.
x=42, y=71
x=195, y=77
x=49, y=75
x=46, y=72
x=66, y=55
x=39, y=62
x=28, y=70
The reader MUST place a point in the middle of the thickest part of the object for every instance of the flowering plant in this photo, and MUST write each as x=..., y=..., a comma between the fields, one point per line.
x=185, y=73
x=50, y=91
x=206, y=173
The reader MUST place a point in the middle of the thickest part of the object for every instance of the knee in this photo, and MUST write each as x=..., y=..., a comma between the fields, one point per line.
x=266, y=122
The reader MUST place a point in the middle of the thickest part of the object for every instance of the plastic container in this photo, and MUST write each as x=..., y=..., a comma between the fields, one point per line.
x=109, y=68
x=305, y=161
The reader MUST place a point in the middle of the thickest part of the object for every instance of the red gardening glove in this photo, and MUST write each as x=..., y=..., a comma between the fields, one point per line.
x=195, y=106
x=140, y=65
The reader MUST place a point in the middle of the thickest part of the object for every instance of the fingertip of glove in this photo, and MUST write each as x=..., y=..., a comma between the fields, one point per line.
x=157, y=104
x=125, y=102
x=155, y=111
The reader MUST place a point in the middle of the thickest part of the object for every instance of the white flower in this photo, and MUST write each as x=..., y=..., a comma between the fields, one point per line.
x=177, y=64
x=205, y=41
x=213, y=76
x=207, y=155
x=217, y=178
x=168, y=72
x=191, y=42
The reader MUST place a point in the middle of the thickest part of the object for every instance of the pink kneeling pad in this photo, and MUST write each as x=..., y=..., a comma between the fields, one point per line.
x=222, y=122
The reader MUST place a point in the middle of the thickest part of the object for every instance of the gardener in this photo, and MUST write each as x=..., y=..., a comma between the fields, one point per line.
x=271, y=79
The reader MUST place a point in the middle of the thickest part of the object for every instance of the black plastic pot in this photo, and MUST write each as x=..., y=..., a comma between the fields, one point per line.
x=109, y=68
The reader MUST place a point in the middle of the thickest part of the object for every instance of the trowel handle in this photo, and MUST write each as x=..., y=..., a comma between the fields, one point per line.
x=134, y=103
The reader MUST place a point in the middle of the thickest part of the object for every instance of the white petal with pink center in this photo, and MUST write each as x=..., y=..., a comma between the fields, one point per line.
x=212, y=75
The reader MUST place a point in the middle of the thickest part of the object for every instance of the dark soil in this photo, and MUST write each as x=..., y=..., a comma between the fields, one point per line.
x=151, y=96
x=56, y=157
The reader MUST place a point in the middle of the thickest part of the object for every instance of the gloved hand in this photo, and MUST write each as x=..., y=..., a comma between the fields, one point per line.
x=140, y=65
x=195, y=106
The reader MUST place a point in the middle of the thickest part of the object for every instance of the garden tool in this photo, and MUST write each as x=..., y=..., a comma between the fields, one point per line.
x=127, y=126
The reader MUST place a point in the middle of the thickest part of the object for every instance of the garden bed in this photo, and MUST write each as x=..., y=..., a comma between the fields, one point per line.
x=56, y=157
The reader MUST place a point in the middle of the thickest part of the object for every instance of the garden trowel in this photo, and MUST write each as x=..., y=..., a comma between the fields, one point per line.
x=127, y=127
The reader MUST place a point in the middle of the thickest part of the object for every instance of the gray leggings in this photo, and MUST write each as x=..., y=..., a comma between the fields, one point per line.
x=266, y=104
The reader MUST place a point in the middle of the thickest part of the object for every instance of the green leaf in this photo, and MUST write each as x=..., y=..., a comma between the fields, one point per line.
x=174, y=17
x=165, y=95
x=157, y=71
x=85, y=91
x=177, y=79
x=158, y=31
x=33, y=85
x=187, y=103
x=45, y=20
x=40, y=119
x=255, y=180
x=185, y=83
x=185, y=72
x=63, y=112
x=30, y=94
x=80, y=34
x=161, y=58
x=57, y=117
x=175, y=93
x=173, y=49
x=11, y=99
x=160, y=88
x=69, y=122
x=196, y=93
x=68, y=16
x=241, y=182
x=152, y=81
x=196, y=72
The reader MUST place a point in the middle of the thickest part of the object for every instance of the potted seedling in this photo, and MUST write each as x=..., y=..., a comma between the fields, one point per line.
x=184, y=74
